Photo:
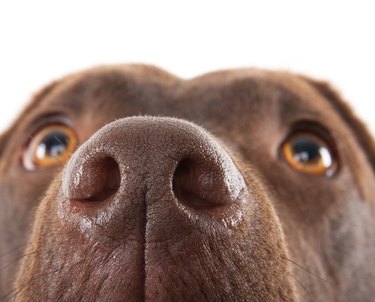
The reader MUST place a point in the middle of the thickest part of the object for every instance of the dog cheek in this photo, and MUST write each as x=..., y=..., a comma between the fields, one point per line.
x=18, y=204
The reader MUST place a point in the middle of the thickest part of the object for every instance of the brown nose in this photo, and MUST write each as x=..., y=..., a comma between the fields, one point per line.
x=154, y=165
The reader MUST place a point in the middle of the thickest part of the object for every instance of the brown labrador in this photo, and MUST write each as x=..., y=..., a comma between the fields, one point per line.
x=126, y=183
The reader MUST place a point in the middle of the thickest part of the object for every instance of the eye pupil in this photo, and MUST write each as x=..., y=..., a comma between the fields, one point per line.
x=306, y=151
x=53, y=145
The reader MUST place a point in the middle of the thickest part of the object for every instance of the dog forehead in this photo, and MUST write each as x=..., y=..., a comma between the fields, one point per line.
x=150, y=90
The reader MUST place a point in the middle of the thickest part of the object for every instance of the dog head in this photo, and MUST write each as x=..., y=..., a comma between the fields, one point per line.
x=129, y=184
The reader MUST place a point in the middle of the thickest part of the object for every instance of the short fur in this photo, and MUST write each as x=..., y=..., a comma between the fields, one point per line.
x=174, y=230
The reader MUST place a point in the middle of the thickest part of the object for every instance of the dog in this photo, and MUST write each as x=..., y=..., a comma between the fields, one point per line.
x=127, y=183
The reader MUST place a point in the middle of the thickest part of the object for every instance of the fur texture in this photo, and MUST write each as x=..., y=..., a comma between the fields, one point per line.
x=180, y=191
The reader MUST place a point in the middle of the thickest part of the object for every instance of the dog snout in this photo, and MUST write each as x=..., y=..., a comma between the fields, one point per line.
x=136, y=163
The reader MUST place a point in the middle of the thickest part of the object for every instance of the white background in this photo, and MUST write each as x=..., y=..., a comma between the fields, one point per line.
x=331, y=40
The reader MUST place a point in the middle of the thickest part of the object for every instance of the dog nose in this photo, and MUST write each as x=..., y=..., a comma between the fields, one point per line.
x=136, y=161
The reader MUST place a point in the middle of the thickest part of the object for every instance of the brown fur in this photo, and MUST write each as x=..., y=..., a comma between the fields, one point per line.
x=299, y=237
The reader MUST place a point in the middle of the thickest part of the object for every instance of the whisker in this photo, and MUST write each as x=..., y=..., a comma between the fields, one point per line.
x=15, y=291
x=20, y=247
x=14, y=259
x=308, y=271
x=302, y=285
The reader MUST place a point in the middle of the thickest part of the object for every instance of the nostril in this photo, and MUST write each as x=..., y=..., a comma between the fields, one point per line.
x=94, y=181
x=106, y=179
x=197, y=185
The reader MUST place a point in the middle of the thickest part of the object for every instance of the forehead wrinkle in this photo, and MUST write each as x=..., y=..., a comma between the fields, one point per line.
x=290, y=105
x=298, y=100
x=283, y=86
x=107, y=100
x=88, y=94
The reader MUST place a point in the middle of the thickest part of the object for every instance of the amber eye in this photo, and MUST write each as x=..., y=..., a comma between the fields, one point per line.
x=50, y=146
x=308, y=153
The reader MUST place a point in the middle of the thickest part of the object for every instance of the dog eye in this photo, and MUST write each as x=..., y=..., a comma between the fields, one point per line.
x=51, y=146
x=308, y=153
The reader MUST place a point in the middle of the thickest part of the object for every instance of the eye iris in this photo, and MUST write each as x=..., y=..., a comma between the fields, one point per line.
x=309, y=154
x=53, y=145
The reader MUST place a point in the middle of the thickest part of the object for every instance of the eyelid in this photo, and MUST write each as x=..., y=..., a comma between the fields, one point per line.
x=51, y=118
x=314, y=128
